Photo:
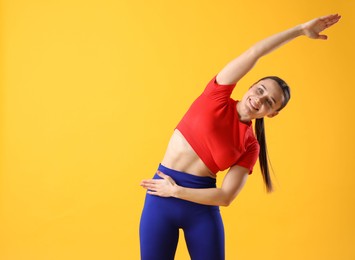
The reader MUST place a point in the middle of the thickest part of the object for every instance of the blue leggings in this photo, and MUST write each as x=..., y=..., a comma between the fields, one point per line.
x=163, y=217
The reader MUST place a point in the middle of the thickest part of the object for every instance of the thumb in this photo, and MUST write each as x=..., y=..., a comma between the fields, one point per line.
x=162, y=174
x=322, y=37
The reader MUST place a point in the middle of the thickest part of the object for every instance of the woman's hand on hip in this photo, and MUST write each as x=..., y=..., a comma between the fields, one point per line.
x=164, y=187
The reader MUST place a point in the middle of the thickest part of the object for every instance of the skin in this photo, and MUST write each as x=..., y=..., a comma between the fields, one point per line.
x=263, y=99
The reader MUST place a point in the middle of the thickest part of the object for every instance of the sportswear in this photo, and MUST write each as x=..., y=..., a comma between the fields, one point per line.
x=213, y=129
x=162, y=217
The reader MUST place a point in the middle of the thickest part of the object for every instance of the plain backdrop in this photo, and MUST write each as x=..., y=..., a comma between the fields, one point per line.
x=91, y=92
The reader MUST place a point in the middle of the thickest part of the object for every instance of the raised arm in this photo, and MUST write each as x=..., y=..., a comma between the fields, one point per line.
x=241, y=65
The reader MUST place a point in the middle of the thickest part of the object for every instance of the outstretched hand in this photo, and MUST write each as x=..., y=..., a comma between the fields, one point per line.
x=164, y=187
x=313, y=28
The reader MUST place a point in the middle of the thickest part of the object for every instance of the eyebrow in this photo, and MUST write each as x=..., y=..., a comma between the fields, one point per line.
x=270, y=97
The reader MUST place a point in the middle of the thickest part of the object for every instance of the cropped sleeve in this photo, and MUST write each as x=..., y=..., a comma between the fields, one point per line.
x=218, y=92
x=250, y=156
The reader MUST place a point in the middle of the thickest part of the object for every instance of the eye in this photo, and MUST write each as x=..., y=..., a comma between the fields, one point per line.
x=260, y=91
x=269, y=102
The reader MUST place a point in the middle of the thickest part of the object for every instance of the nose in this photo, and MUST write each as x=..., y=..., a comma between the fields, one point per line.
x=263, y=99
x=257, y=101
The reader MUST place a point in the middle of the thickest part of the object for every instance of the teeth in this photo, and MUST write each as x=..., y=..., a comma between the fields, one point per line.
x=253, y=105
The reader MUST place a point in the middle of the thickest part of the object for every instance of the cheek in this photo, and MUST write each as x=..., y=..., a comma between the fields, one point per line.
x=266, y=110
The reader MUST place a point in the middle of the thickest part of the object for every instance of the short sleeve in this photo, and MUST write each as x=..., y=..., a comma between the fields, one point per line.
x=218, y=92
x=249, y=158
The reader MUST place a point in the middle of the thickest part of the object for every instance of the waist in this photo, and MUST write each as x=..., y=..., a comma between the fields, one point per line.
x=181, y=157
x=186, y=179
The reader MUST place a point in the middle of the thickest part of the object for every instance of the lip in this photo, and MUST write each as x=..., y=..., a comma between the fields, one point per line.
x=253, y=105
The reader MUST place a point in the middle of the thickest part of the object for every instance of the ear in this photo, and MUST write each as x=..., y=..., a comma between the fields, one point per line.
x=273, y=114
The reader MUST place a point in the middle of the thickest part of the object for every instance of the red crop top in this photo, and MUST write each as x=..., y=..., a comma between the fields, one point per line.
x=212, y=127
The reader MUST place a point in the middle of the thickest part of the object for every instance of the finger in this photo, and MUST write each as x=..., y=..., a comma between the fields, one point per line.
x=148, y=184
x=322, y=37
x=153, y=193
x=330, y=16
x=150, y=189
x=330, y=20
x=327, y=16
x=152, y=181
x=156, y=193
x=144, y=182
x=330, y=23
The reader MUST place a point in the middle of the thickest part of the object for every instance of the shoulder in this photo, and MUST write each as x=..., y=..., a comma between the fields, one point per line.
x=218, y=91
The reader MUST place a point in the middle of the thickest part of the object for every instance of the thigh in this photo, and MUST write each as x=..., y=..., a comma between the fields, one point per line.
x=205, y=236
x=158, y=233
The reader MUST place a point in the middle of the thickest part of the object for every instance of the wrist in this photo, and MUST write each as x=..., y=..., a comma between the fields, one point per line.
x=176, y=191
x=299, y=30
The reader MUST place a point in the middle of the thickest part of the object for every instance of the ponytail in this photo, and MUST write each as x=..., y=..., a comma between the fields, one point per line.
x=260, y=134
x=263, y=156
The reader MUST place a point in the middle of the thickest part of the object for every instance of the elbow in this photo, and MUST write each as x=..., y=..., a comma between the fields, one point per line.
x=255, y=52
x=226, y=202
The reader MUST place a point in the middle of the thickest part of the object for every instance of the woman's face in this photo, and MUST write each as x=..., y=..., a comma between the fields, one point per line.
x=263, y=99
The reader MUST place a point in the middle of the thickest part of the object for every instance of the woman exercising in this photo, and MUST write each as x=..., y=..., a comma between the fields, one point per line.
x=215, y=134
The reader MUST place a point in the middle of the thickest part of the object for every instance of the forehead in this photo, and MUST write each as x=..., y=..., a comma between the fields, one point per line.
x=273, y=89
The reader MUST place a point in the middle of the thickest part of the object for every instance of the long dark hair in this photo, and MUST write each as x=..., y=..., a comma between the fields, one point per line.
x=260, y=134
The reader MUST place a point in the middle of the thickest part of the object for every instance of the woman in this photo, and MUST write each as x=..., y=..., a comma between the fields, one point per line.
x=215, y=134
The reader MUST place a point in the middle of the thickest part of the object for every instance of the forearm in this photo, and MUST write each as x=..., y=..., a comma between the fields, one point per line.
x=209, y=196
x=233, y=183
x=241, y=65
x=273, y=42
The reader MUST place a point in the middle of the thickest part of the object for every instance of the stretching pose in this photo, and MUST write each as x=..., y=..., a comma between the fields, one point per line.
x=215, y=134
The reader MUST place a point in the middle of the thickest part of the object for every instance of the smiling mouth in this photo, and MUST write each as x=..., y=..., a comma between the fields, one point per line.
x=253, y=105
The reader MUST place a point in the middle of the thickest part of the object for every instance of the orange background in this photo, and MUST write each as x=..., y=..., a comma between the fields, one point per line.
x=92, y=90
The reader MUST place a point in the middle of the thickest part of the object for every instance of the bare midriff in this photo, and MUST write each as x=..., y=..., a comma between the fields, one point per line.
x=180, y=156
